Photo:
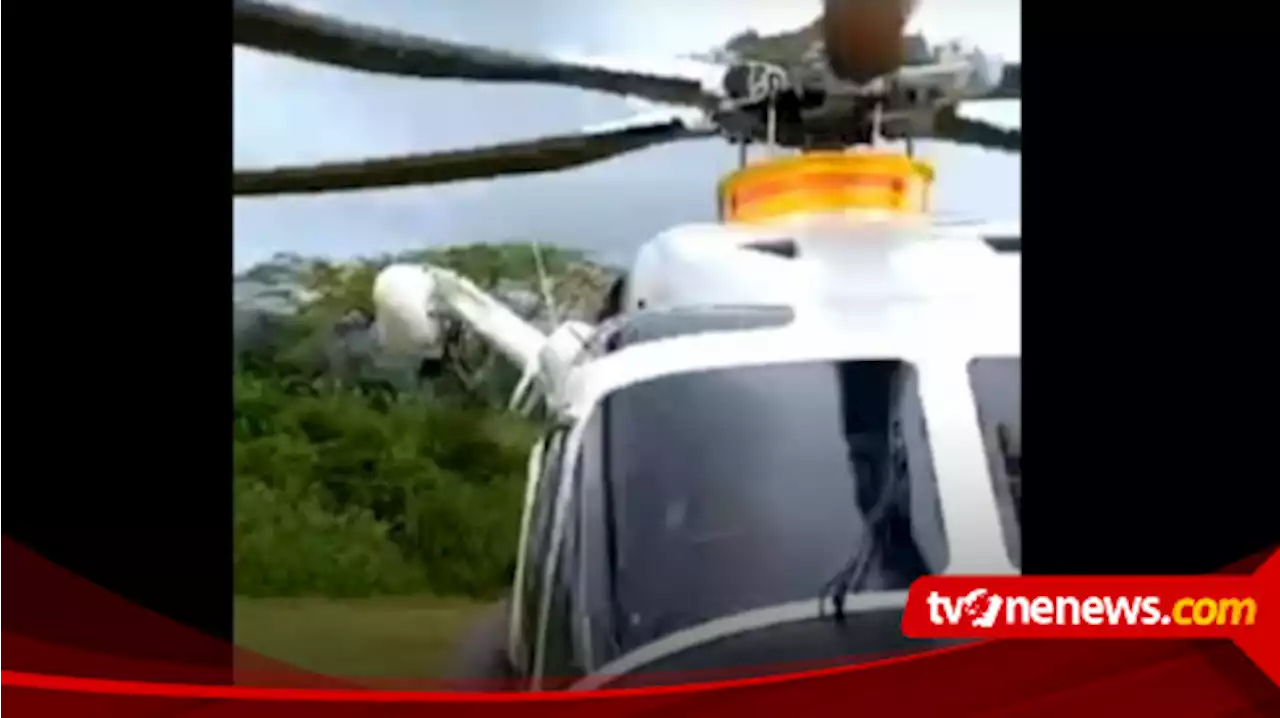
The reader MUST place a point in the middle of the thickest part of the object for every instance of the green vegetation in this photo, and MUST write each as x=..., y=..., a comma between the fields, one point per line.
x=353, y=476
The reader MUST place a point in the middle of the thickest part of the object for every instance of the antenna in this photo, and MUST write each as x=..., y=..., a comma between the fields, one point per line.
x=775, y=86
x=877, y=125
x=771, y=129
x=522, y=398
x=544, y=285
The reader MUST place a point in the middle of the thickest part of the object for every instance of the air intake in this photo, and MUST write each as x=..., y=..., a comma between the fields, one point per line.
x=1004, y=244
x=785, y=248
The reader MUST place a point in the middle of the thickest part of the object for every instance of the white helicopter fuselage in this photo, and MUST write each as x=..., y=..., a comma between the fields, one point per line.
x=867, y=286
x=933, y=296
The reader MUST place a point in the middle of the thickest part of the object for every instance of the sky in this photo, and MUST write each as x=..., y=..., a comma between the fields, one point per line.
x=289, y=112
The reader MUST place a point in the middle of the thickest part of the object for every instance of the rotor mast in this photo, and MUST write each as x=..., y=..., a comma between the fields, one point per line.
x=863, y=41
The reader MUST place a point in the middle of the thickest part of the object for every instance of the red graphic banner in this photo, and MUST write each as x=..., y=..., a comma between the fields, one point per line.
x=75, y=649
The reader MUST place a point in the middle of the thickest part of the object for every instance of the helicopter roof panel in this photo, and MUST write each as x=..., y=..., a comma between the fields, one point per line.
x=819, y=261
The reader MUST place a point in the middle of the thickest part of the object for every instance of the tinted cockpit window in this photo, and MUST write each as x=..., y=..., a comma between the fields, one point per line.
x=997, y=391
x=742, y=488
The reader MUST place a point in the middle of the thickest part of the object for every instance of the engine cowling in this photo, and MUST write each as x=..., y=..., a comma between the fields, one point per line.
x=407, y=322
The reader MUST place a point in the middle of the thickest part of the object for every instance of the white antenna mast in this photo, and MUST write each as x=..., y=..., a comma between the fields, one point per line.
x=544, y=285
x=523, y=398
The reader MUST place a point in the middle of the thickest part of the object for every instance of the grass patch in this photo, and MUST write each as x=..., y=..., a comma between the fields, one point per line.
x=344, y=493
x=385, y=637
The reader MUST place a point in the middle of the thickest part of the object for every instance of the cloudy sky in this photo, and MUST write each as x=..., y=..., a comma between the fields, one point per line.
x=289, y=112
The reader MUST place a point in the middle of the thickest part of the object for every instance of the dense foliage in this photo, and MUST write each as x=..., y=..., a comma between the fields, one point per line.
x=354, y=476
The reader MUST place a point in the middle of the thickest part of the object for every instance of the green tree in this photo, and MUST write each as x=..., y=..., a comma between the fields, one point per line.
x=355, y=478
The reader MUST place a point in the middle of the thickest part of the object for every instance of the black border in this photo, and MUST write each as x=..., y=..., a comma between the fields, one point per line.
x=126, y=475
x=1146, y=390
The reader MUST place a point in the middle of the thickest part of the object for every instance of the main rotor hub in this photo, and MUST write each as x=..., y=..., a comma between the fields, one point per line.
x=826, y=182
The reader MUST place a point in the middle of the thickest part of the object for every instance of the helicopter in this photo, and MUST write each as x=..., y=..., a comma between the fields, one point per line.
x=778, y=420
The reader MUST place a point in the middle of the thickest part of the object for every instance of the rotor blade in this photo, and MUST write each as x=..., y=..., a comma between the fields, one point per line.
x=284, y=30
x=527, y=157
x=961, y=130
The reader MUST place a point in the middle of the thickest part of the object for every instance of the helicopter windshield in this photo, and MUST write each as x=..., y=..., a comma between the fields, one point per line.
x=735, y=489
